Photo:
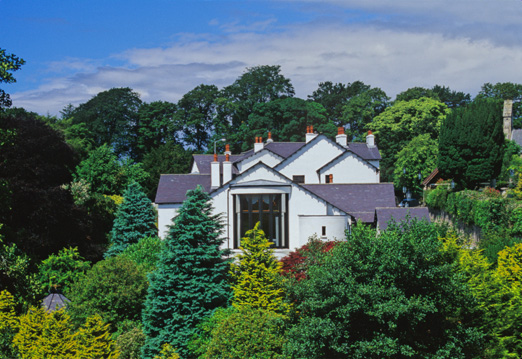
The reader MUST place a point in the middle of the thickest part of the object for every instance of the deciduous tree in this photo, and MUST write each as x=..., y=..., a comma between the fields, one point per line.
x=8, y=64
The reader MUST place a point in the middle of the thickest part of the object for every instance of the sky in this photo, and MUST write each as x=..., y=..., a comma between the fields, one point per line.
x=164, y=48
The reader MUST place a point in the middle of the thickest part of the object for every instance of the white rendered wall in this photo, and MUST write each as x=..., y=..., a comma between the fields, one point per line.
x=351, y=169
x=166, y=212
x=265, y=156
x=335, y=227
x=310, y=161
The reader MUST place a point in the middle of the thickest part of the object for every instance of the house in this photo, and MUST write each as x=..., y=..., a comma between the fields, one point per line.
x=295, y=190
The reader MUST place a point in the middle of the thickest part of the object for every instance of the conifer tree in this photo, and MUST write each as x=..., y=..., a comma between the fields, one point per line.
x=256, y=275
x=94, y=340
x=136, y=219
x=471, y=143
x=190, y=280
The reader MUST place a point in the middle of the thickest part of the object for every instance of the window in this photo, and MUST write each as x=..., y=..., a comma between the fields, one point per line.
x=323, y=231
x=298, y=179
x=267, y=209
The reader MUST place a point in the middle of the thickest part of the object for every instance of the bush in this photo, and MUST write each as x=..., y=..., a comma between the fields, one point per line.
x=238, y=334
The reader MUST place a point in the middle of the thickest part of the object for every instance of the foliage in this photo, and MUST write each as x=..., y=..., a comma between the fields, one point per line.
x=245, y=333
x=109, y=118
x=62, y=269
x=399, y=124
x=444, y=94
x=130, y=341
x=296, y=263
x=8, y=64
x=135, y=219
x=417, y=157
x=156, y=126
x=361, y=109
x=497, y=296
x=114, y=288
x=167, y=352
x=51, y=335
x=166, y=158
x=495, y=240
x=504, y=91
x=16, y=275
x=393, y=295
x=511, y=165
x=145, y=252
x=191, y=277
x=8, y=324
x=471, y=144
x=94, y=340
x=256, y=275
x=105, y=174
x=286, y=119
x=40, y=216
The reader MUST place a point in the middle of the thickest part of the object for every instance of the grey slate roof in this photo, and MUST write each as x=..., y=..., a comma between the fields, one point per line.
x=367, y=153
x=54, y=301
x=203, y=162
x=516, y=136
x=173, y=188
x=284, y=149
x=384, y=215
x=359, y=200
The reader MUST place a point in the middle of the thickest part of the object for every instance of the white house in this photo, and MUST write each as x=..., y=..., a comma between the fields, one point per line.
x=294, y=190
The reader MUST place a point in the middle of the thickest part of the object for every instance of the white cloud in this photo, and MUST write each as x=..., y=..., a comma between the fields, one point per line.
x=393, y=58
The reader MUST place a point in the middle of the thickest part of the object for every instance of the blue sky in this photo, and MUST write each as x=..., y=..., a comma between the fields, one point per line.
x=163, y=49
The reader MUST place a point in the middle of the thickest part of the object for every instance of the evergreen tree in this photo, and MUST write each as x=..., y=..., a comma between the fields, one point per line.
x=255, y=275
x=136, y=219
x=94, y=340
x=471, y=143
x=190, y=280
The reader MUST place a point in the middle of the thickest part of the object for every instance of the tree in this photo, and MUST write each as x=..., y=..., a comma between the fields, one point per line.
x=196, y=112
x=135, y=220
x=256, y=275
x=8, y=324
x=259, y=84
x=416, y=93
x=471, y=144
x=114, y=288
x=110, y=117
x=106, y=174
x=39, y=214
x=505, y=91
x=361, y=109
x=452, y=99
x=94, y=340
x=145, y=252
x=399, y=124
x=286, y=119
x=415, y=162
x=156, y=126
x=8, y=64
x=62, y=269
x=191, y=277
x=166, y=158
x=392, y=295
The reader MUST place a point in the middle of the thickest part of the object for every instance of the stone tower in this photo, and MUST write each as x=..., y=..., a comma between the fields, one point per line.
x=508, y=119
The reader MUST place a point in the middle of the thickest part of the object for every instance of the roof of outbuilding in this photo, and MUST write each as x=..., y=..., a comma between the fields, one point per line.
x=516, y=136
x=173, y=188
x=54, y=301
x=385, y=215
x=359, y=200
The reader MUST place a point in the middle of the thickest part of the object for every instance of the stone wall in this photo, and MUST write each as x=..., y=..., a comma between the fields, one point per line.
x=473, y=232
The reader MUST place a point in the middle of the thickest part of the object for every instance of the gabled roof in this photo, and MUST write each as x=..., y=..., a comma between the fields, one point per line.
x=203, y=162
x=361, y=149
x=385, y=215
x=358, y=200
x=284, y=149
x=341, y=157
x=173, y=188
x=431, y=177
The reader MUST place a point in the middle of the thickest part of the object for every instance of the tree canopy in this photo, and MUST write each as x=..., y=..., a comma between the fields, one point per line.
x=8, y=64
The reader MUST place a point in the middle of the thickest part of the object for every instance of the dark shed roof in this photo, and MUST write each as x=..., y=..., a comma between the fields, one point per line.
x=173, y=188
x=54, y=301
x=384, y=215
x=359, y=200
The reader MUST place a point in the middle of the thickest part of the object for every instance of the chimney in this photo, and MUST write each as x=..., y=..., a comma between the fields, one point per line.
x=341, y=138
x=508, y=119
x=331, y=178
x=269, y=140
x=227, y=169
x=258, y=146
x=370, y=139
x=310, y=135
x=215, y=180
x=227, y=149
